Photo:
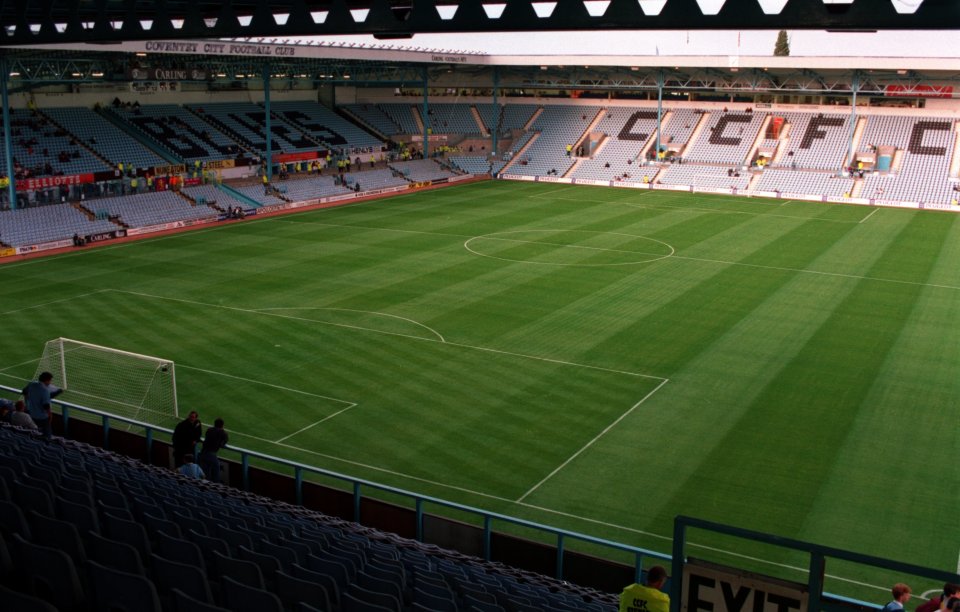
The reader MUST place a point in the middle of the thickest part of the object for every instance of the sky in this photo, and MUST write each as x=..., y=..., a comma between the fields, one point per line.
x=809, y=43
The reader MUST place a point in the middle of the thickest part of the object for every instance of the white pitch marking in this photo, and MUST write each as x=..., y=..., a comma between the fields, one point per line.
x=378, y=331
x=591, y=442
x=821, y=273
x=324, y=419
x=550, y=510
x=66, y=299
x=266, y=384
x=870, y=215
x=17, y=365
x=383, y=314
x=270, y=314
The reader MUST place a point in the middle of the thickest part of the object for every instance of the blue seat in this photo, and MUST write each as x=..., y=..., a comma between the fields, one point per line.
x=12, y=519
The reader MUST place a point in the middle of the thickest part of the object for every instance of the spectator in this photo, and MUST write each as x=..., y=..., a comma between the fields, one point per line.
x=186, y=435
x=216, y=439
x=6, y=410
x=20, y=418
x=189, y=468
x=37, y=396
x=901, y=595
x=949, y=590
x=649, y=598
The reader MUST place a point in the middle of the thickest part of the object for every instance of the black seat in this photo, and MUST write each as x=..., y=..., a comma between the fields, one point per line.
x=21, y=602
x=119, y=591
x=246, y=572
x=30, y=497
x=82, y=515
x=129, y=532
x=294, y=590
x=179, y=550
x=118, y=555
x=49, y=574
x=327, y=582
x=169, y=575
x=184, y=603
x=55, y=533
x=241, y=597
x=12, y=519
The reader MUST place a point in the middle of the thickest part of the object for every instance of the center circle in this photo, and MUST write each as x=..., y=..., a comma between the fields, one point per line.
x=557, y=247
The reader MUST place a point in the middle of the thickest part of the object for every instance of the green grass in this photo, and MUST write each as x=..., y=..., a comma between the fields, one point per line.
x=591, y=358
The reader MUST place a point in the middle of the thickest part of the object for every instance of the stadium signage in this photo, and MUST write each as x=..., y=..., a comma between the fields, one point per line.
x=100, y=237
x=449, y=59
x=53, y=181
x=167, y=74
x=45, y=246
x=219, y=164
x=7, y=252
x=173, y=169
x=708, y=586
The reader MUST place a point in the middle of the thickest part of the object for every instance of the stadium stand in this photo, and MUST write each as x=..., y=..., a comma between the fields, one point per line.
x=923, y=146
x=702, y=177
x=25, y=226
x=421, y=170
x=150, y=539
x=96, y=132
x=180, y=132
x=452, y=118
x=403, y=116
x=325, y=126
x=726, y=139
x=374, y=117
x=43, y=148
x=145, y=209
x=816, y=141
x=806, y=182
x=559, y=126
x=246, y=123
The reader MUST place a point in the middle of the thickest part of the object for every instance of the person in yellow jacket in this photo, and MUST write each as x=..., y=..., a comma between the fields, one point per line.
x=649, y=597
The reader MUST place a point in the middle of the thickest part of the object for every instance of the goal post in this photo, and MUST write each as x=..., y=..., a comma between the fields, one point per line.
x=118, y=382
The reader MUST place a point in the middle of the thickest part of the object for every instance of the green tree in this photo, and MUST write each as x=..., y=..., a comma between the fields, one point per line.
x=783, y=44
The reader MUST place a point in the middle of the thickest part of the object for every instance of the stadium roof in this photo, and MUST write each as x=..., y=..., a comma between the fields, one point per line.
x=109, y=21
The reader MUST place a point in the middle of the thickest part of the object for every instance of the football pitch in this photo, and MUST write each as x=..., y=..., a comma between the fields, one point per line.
x=591, y=358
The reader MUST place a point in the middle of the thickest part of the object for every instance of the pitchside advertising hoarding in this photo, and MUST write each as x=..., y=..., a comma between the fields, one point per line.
x=718, y=588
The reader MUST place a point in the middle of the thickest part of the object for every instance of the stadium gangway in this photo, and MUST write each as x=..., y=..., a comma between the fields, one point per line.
x=358, y=485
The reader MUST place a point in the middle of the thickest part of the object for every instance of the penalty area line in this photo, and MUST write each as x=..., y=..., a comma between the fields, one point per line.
x=266, y=384
x=592, y=442
x=312, y=425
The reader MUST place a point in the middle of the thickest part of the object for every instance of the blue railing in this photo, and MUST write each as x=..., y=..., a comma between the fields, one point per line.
x=359, y=486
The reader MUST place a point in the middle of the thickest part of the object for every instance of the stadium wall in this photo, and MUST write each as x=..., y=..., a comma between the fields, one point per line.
x=50, y=99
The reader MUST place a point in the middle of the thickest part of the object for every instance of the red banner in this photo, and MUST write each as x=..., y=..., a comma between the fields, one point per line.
x=283, y=158
x=919, y=91
x=53, y=181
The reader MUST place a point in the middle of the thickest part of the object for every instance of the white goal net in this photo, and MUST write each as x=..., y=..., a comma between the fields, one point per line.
x=117, y=382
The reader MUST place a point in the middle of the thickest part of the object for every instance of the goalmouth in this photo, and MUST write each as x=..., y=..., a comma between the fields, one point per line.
x=118, y=382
